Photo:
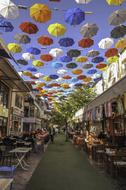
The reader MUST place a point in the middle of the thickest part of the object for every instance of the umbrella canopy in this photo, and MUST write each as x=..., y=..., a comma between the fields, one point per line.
x=56, y=29
x=56, y=52
x=40, y=85
x=65, y=85
x=14, y=48
x=53, y=77
x=101, y=66
x=117, y=17
x=87, y=79
x=22, y=38
x=33, y=50
x=86, y=43
x=66, y=59
x=74, y=79
x=106, y=43
x=27, y=56
x=66, y=42
x=55, y=85
x=71, y=65
x=81, y=77
x=28, y=27
x=61, y=71
x=73, y=53
x=45, y=40
x=32, y=69
x=8, y=9
x=74, y=16
x=27, y=73
x=89, y=30
x=39, y=75
x=83, y=1
x=92, y=71
x=92, y=53
x=38, y=63
x=97, y=59
x=111, y=52
x=77, y=71
x=40, y=13
x=121, y=44
x=81, y=59
x=118, y=32
x=47, y=78
x=57, y=65
x=115, y=2
x=112, y=59
x=7, y=26
x=87, y=66
x=67, y=77
x=46, y=57
x=22, y=62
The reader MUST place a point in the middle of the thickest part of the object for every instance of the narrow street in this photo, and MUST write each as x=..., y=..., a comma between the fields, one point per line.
x=64, y=167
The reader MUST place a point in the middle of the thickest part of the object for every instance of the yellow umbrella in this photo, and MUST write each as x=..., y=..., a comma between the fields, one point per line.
x=81, y=59
x=38, y=63
x=40, y=13
x=115, y=2
x=113, y=59
x=121, y=44
x=41, y=85
x=14, y=48
x=87, y=79
x=56, y=29
x=27, y=73
x=65, y=85
x=43, y=91
x=47, y=78
x=77, y=71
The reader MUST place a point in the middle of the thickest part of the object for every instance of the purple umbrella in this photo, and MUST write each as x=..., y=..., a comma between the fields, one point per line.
x=65, y=59
x=66, y=42
x=97, y=59
x=7, y=26
x=32, y=69
x=92, y=71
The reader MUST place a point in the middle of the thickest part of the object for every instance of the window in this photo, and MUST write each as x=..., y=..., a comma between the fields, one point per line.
x=18, y=101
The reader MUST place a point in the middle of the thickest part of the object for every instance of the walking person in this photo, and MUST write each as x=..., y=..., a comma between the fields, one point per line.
x=51, y=133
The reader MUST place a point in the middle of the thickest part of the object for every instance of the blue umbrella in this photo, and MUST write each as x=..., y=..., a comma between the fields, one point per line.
x=48, y=86
x=74, y=79
x=92, y=71
x=66, y=59
x=97, y=59
x=57, y=65
x=7, y=26
x=66, y=42
x=32, y=69
x=78, y=84
x=74, y=16
x=34, y=51
x=53, y=76
x=97, y=79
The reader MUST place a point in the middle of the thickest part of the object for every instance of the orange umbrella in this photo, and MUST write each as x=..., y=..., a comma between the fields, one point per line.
x=77, y=71
x=46, y=57
x=45, y=40
x=111, y=52
x=101, y=66
x=86, y=42
x=28, y=27
x=67, y=77
x=87, y=79
x=55, y=85
x=81, y=77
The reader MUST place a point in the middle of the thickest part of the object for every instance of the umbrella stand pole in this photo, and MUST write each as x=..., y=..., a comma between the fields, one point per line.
x=22, y=7
x=88, y=12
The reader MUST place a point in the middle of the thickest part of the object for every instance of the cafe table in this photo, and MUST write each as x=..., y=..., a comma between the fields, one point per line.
x=5, y=183
x=20, y=154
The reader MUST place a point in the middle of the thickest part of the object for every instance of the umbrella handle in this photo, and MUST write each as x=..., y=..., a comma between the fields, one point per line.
x=22, y=7
x=88, y=12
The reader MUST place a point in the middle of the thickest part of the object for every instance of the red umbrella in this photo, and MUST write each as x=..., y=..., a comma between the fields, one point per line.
x=86, y=42
x=101, y=66
x=67, y=77
x=55, y=85
x=45, y=40
x=28, y=27
x=111, y=52
x=81, y=77
x=46, y=57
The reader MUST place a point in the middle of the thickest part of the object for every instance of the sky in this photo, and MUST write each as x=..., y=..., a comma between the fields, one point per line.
x=100, y=13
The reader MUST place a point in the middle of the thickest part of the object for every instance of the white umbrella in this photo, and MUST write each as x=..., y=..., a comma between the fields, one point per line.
x=39, y=75
x=83, y=1
x=61, y=71
x=8, y=9
x=56, y=52
x=89, y=29
x=59, y=79
x=106, y=43
x=28, y=56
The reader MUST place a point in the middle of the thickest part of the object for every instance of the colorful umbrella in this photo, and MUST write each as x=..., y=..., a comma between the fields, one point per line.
x=83, y=1
x=86, y=43
x=65, y=59
x=77, y=71
x=118, y=32
x=115, y=2
x=32, y=69
x=55, y=85
x=40, y=13
x=74, y=16
x=101, y=66
x=7, y=26
x=81, y=77
x=28, y=27
x=73, y=53
x=117, y=17
x=67, y=77
x=47, y=78
x=61, y=71
x=92, y=71
x=66, y=42
x=53, y=77
x=87, y=79
x=78, y=85
x=56, y=52
x=92, y=53
x=57, y=65
x=39, y=75
x=8, y=9
x=106, y=43
x=97, y=59
x=46, y=57
x=81, y=59
x=87, y=66
x=113, y=59
x=121, y=44
x=27, y=73
x=14, y=48
x=89, y=30
x=56, y=29
x=33, y=50
x=45, y=40
x=65, y=86
x=22, y=62
x=38, y=63
x=27, y=56
x=74, y=79
x=40, y=85
x=111, y=52
x=22, y=38
x=71, y=65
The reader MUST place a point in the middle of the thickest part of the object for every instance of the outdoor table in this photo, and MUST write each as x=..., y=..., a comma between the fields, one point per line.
x=20, y=154
x=5, y=183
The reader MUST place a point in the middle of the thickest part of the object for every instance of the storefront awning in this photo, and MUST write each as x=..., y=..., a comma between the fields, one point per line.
x=114, y=91
x=10, y=76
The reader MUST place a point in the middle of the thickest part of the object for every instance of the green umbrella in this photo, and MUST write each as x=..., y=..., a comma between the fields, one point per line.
x=22, y=38
x=118, y=31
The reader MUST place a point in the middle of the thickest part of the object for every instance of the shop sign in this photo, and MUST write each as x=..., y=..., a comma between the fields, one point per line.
x=3, y=112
